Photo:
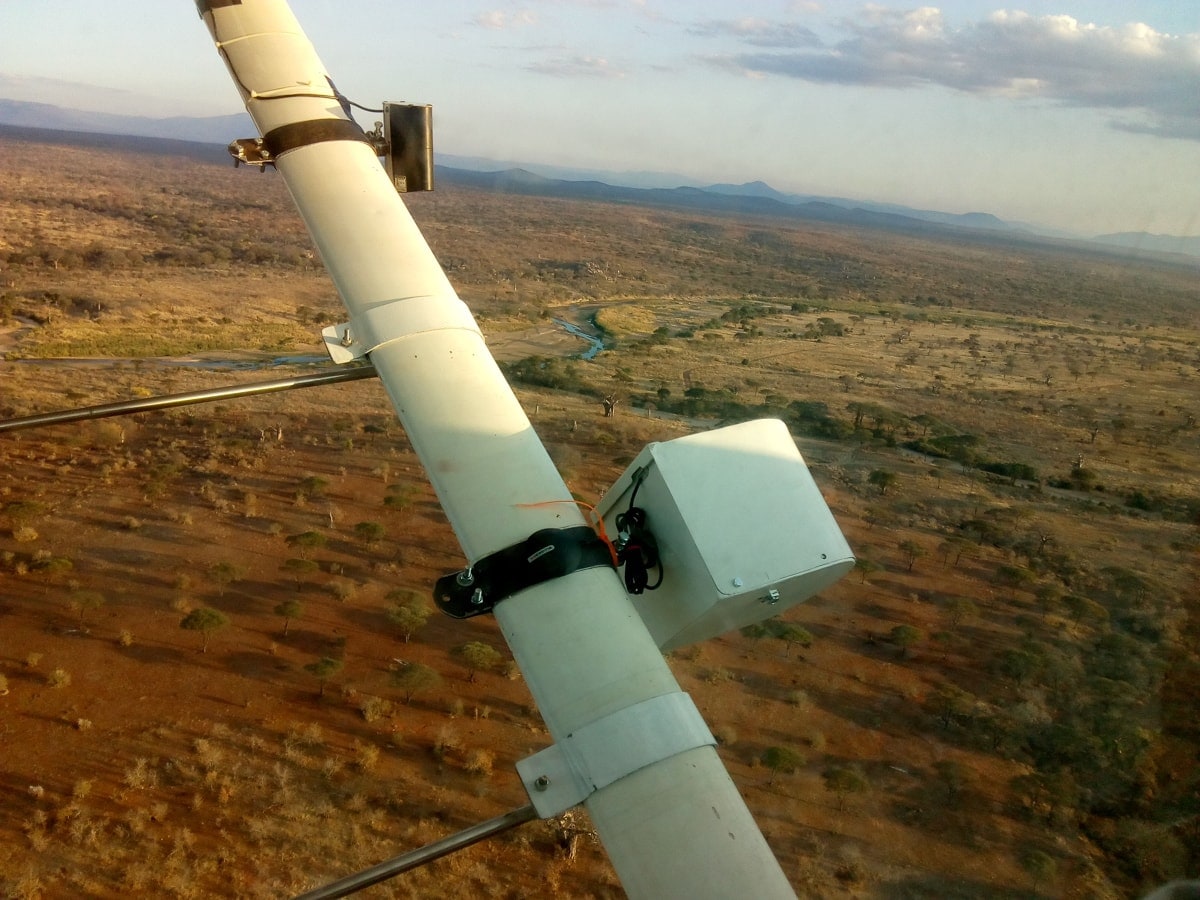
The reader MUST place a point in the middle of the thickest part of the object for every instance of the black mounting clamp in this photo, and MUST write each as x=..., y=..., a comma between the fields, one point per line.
x=543, y=556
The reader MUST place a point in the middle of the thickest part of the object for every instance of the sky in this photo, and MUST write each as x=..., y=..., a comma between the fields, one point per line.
x=1075, y=114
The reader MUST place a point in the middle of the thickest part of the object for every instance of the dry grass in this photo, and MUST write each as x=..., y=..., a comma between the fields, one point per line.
x=224, y=774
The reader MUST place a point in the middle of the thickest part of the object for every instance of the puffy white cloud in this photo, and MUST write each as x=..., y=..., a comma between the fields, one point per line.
x=1151, y=80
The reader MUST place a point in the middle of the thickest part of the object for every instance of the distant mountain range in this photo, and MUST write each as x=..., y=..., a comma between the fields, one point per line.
x=211, y=130
x=647, y=188
x=1157, y=243
x=748, y=199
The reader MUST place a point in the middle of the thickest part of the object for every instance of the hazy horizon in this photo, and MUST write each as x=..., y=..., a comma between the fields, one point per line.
x=1079, y=116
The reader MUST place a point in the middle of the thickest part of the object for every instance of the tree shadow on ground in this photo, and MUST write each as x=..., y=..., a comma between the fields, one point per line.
x=152, y=654
x=934, y=887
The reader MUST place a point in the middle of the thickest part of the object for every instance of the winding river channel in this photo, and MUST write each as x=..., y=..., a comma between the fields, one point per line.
x=596, y=344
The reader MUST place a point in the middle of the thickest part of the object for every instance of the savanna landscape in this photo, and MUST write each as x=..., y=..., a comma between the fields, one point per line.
x=220, y=669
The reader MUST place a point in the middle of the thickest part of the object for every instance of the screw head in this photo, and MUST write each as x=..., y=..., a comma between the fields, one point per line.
x=737, y=582
x=541, y=782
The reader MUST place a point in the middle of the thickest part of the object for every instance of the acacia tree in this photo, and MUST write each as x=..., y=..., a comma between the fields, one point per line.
x=905, y=637
x=313, y=486
x=478, y=657
x=83, y=601
x=324, y=669
x=224, y=574
x=956, y=548
x=865, y=568
x=949, y=702
x=882, y=479
x=414, y=678
x=409, y=613
x=370, y=533
x=755, y=632
x=960, y=608
x=300, y=569
x=306, y=542
x=206, y=621
x=912, y=552
x=792, y=634
x=289, y=609
x=399, y=497
x=781, y=759
x=842, y=781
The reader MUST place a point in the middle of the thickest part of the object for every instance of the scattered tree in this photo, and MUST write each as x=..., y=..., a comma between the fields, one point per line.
x=958, y=609
x=1049, y=596
x=906, y=637
x=206, y=621
x=414, y=678
x=1085, y=607
x=782, y=759
x=1014, y=577
x=882, y=479
x=370, y=533
x=1039, y=864
x=950, y=703
x=300, y=569
x=865, y=568
x=1015, y=664
x=289, y=609
x=324, y=669
x=842, y=781
x=410, y=612
x=224, y=573
x=399, y=497
x=84, y=601
x=306, y=542
x=478, y=657
x=792, y=634
x=912, y=552
x=313, y=486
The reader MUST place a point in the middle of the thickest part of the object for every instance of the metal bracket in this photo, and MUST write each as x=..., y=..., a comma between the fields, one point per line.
x=392, y=321
x=251, y=152
x=605, y=751
x=378, y=142
x=342, y=345
x=545, y=555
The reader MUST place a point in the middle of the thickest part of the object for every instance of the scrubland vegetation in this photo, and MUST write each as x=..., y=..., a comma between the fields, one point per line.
x=1001, y=701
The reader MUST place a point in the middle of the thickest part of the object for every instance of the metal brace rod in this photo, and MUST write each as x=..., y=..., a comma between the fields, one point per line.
x=397, y=865
x=168, y=401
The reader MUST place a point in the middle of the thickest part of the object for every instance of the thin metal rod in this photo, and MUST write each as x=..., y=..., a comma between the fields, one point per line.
x=393, y=867
x=167, y=401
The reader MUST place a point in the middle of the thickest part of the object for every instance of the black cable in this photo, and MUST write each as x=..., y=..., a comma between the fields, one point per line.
x=363, y=108
x=637, y=550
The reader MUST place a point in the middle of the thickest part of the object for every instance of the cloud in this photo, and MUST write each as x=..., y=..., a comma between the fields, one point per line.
x=1147, y=78
x=577, y=67
x=499, y=20
x=759, y=32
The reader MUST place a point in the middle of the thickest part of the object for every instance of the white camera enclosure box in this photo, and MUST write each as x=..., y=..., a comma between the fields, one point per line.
x=742, y=529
